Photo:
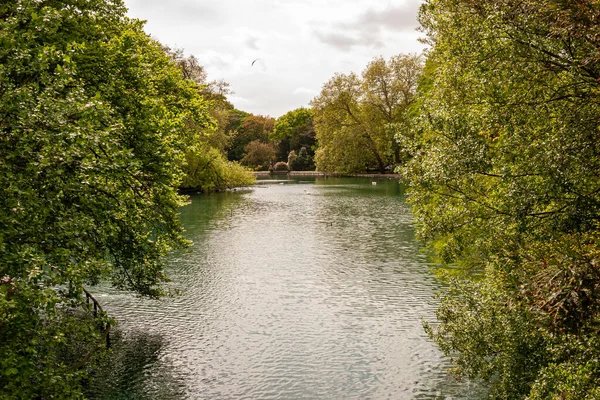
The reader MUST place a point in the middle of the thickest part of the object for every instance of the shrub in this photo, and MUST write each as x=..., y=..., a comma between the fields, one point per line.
x=281, y=167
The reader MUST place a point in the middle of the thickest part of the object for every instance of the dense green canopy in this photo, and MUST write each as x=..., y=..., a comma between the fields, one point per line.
x=95, y=120
x=293, y=131
x=506, y=186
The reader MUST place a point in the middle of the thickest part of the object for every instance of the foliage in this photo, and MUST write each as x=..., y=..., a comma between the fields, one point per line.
x=479, y=317
x=294, y=131
x=353, y=115
x=207, y=168
x=251, y=128
x=292, y=160
x=505, y=186
x=259, y=155
x=209, y=171
x=300, y=162
x=95, y=121
x=214, y=92
x=281, y=167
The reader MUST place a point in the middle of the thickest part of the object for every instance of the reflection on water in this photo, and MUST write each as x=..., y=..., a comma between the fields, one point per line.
x=309, y=289
x=134, y=369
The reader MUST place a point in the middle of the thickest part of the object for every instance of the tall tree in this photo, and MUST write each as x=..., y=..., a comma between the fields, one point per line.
x=356, y=118
x=390, y=89
x=293, y=131
x=251, y=128
x=506, y=186
x=95, y=121
x=259, y=155
x=207, y=167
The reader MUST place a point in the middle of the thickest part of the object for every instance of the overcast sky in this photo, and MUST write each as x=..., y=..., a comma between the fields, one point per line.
x=299, y=44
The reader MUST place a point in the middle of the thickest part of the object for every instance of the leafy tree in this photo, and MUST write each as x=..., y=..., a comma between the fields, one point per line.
x=207, y=168
x=390, y=89
x=95, y=121
x=505, y=186
x=251, y=128
x=357, y=118
x=215, y=92
x=301, y=161
x=259, y=155
x=293, y=131
x=346, y=144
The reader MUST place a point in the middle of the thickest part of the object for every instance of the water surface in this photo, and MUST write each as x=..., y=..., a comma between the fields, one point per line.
x=299, y=289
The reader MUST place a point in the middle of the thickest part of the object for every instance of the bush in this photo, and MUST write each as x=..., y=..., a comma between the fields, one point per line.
x=208, y=170
x=281, y=167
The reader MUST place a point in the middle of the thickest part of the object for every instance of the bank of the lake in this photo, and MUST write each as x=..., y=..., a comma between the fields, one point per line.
x=293, y=174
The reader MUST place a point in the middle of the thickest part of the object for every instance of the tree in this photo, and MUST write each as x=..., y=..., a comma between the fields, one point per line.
x=356, y=119
x=207, y=168
x=251, y=128
x=293, y=131
x=258, y=155
x=301, y=161
x=390, y=89
x=505, y=187
x=95, y=121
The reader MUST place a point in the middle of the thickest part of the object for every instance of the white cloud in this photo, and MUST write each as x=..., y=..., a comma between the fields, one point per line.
x=299, y=44
x=303, y=90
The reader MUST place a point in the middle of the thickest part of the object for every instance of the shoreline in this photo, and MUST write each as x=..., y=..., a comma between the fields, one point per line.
x=317, y=173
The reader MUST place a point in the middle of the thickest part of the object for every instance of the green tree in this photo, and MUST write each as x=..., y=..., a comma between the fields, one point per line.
x=505, y=186
x=207, y=168
x=301, y=161
x=95, y=121
x=259, y=155
x=293, y=131
x=357, y=118
x=346, y=143
x=390, y=89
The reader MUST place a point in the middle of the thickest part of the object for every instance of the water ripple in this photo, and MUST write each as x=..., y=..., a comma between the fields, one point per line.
x=300, y=291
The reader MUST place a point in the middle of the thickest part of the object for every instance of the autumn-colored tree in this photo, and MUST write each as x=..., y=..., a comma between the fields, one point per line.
x=259, y=155
x=251, y=128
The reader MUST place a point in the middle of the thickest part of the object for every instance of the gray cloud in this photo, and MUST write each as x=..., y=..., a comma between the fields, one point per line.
x=367, y=28
x=338, y=40
x=347, y=40
x=252, y=43
x=401, y=19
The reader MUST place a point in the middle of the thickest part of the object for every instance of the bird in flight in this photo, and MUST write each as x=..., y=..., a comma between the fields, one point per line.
x=254, y=62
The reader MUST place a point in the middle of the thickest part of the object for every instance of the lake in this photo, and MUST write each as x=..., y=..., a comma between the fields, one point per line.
x=311, y=288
